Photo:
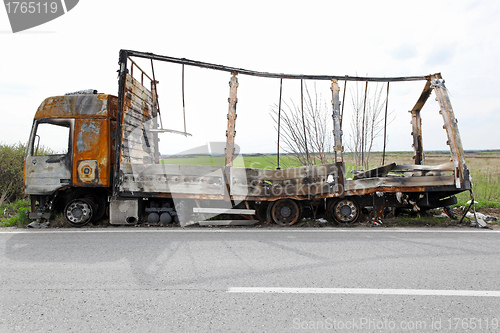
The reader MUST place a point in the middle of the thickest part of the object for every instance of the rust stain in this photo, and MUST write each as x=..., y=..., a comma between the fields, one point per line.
x=92, y=143
x=78, y=106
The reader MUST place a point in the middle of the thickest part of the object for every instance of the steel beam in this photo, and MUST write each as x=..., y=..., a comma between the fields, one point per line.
x=451, y=127
x=231, y=119
x=416, y=124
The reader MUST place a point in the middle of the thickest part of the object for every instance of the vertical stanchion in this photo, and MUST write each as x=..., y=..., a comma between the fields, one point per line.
x=363, y=128
x=230, y=133
x=231, y=119
x=343, y=103
x=337, y=134
x=279, y=123
x=303, y=120
x=183, y=102
x=385, y=123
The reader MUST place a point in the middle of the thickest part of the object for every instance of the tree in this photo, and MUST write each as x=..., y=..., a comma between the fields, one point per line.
x=367, y=122
x=308, y=135
x=306, y=130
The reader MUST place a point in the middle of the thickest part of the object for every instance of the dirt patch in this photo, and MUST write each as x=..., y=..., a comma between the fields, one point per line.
x=491, y=211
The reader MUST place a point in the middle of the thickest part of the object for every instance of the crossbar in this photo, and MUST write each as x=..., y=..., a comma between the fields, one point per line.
x=242, y=71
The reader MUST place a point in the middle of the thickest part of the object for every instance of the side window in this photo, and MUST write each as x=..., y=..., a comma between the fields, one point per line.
x=51, y=139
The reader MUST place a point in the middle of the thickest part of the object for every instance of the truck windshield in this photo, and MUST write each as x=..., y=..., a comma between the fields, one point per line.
x=51, y=139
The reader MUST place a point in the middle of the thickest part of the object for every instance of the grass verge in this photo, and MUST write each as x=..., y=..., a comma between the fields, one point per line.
x=15, y=214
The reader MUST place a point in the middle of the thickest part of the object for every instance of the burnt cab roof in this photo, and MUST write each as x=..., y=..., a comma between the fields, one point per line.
x=78, y=106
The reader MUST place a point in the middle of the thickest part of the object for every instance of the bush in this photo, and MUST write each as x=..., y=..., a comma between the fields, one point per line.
x=15, y=214
x=12, y=171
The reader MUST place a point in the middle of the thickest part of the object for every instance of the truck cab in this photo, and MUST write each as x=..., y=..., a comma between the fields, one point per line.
x=69, y=158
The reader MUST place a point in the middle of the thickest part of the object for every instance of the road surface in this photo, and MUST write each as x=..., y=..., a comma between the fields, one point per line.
x=249, y=280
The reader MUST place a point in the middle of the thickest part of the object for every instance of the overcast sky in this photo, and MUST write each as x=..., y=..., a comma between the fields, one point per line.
x=79, y=50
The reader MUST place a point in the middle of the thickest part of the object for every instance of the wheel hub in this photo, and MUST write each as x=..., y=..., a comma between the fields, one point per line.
x=346, y=211
x=78, y=212
x=286, y=211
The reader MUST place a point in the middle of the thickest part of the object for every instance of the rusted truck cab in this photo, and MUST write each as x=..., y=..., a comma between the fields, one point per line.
x=73, y=171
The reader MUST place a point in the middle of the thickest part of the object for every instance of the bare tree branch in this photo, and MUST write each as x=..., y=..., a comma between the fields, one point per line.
x=318, y=134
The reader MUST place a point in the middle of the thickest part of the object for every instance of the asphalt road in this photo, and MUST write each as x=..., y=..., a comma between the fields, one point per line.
x=248, y=280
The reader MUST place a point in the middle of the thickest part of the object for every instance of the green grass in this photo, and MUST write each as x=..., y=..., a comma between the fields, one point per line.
x=267, y=161
x=241, y=161
x=486, y=188
x=15, y=214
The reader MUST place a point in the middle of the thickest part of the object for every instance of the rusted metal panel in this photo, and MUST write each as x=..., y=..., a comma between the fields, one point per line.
x=78, y=106
x=112, y=107
x=138, y=144
x=91, y=143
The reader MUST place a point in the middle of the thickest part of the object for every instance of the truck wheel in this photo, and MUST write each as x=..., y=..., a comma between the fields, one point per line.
x=97, y=201
x=79, y=212
x=344, y=211
x=285, y=212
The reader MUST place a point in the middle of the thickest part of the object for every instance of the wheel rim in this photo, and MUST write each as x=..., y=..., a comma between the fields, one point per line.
x=78, y=212
x=285, y=212
x=346, y=211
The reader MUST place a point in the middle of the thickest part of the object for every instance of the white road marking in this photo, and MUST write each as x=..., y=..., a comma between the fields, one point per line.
x=132, y=229
x=366, y=291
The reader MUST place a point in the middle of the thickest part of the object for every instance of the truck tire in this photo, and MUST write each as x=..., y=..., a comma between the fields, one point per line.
x=284, y=212
x=346, y=210
x=98, y=200
x=79, y=212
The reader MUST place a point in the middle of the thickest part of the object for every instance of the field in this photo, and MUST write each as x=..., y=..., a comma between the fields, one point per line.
x=484, y=167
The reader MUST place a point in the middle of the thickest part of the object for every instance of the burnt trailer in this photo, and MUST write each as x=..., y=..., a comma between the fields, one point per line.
x=112, y=162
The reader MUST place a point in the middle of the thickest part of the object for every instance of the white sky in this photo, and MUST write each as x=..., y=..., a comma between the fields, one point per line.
x=79, y=51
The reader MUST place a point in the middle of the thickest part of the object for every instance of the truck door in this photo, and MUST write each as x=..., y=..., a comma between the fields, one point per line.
x=49, y=156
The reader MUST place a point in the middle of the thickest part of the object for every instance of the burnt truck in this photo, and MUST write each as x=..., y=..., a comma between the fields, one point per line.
x=112, y=164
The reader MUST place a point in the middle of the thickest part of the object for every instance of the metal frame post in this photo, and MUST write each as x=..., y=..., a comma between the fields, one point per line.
x=416, y=124
x=231, y=119
x=337, y=135
x=337, y=130
x=451, y=127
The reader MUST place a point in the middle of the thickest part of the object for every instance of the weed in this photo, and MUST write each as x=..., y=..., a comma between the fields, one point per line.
x=15, y=214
